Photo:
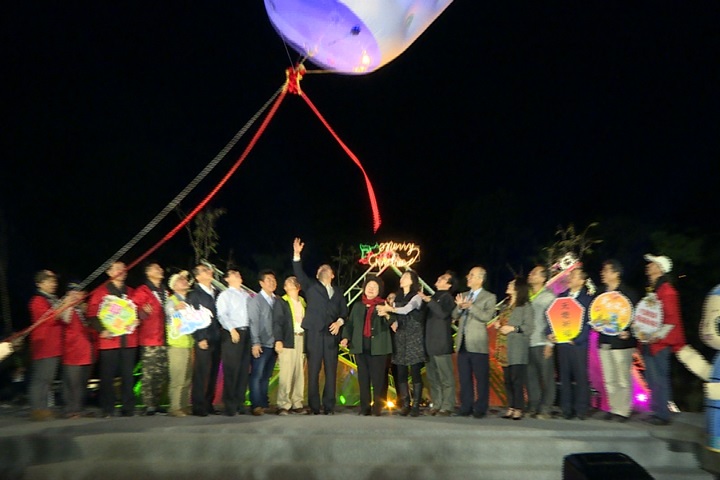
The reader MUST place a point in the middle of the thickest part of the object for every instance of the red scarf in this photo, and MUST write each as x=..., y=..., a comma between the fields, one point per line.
x=367, y=329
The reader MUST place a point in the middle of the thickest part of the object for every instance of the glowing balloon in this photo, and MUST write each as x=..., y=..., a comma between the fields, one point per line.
x=352, y=36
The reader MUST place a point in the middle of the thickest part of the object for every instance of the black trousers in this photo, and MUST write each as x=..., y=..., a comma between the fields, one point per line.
x=574, y=384
x=372, y=371
x=113, y=362
x=321, y=349
x=515, y=382
x=473, y=370
x=205, y=373
x=236, y=370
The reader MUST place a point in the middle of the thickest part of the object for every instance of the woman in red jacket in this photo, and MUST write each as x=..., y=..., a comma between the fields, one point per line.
x=45, y=344
x=77, y=357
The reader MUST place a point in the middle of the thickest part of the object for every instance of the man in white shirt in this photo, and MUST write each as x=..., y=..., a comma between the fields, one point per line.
x=232, y=309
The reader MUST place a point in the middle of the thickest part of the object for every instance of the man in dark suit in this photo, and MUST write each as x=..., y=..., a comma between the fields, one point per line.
x=439, y=344
x=325, y=314
x=473, y=310
x=207, y=343
x=573, y=356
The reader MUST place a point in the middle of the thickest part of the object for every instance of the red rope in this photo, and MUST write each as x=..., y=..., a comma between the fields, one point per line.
x=371, y=191
x=54, y=312
x=217, y=188
x=294, y=75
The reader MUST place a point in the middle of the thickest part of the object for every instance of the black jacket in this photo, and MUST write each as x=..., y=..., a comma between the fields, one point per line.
x=321, y=310
x=283, y=324
x=196, y=297
x=438, y=326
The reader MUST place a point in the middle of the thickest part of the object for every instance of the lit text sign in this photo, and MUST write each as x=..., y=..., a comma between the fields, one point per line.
x=389, y=254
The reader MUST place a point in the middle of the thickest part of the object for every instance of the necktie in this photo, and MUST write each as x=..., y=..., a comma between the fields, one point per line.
x=471, y=297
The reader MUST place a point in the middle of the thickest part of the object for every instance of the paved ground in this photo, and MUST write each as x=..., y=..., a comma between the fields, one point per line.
x=685, y=435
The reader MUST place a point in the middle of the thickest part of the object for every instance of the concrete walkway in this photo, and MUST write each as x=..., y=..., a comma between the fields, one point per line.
x=344, y=445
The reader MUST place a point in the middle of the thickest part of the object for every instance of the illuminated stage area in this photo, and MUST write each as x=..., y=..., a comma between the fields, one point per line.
x=343, y=445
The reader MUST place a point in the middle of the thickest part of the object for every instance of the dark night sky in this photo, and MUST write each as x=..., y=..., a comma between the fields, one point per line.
x=571, y=113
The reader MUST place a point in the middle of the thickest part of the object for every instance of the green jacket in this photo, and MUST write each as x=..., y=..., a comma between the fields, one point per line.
x=380, y=341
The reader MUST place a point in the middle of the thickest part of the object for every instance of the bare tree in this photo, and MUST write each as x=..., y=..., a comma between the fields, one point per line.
x=204, y=238
x=571, y=242
x=346, y=265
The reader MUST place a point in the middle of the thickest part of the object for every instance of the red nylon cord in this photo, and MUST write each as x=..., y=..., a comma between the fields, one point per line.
x=371, y=192
x=54, y=312
x=293, y=85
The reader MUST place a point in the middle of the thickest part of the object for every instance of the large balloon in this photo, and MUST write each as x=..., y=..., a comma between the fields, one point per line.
x=352, y=36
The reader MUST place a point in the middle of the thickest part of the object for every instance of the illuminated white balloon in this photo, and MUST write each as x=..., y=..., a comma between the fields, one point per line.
x=352, y=36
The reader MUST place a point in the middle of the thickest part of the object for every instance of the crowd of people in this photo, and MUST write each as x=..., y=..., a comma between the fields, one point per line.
x=306, y=327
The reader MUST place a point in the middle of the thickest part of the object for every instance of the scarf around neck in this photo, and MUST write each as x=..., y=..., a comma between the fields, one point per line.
x=371, y=304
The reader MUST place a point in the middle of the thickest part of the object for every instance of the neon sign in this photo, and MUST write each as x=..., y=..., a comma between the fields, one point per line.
x=389, y=254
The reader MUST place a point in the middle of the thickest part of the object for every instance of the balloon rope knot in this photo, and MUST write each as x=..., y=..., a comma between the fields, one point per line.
x=293, y=76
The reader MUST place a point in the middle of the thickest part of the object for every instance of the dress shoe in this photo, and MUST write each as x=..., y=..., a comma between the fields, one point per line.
x=283, y=412
x=257, y=411
x=299, y=411
x=364, y=412
x=461, y=414
x=314, y=412
x=657, y=421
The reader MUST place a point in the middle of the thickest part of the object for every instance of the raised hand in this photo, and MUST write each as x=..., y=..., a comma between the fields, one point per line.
x=298, y=246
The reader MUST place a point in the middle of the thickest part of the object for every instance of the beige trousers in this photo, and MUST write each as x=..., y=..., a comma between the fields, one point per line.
x=617, y=377
x=179, y=365
x=291, y=381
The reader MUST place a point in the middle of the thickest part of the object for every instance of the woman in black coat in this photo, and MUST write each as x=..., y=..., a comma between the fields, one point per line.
x=409, y=341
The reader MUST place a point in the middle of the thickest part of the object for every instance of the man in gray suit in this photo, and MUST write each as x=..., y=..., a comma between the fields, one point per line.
x=473, y=310
x=260, y=315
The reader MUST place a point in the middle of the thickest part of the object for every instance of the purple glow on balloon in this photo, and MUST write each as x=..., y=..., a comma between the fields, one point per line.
x=328, y=32
x=352, y=36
